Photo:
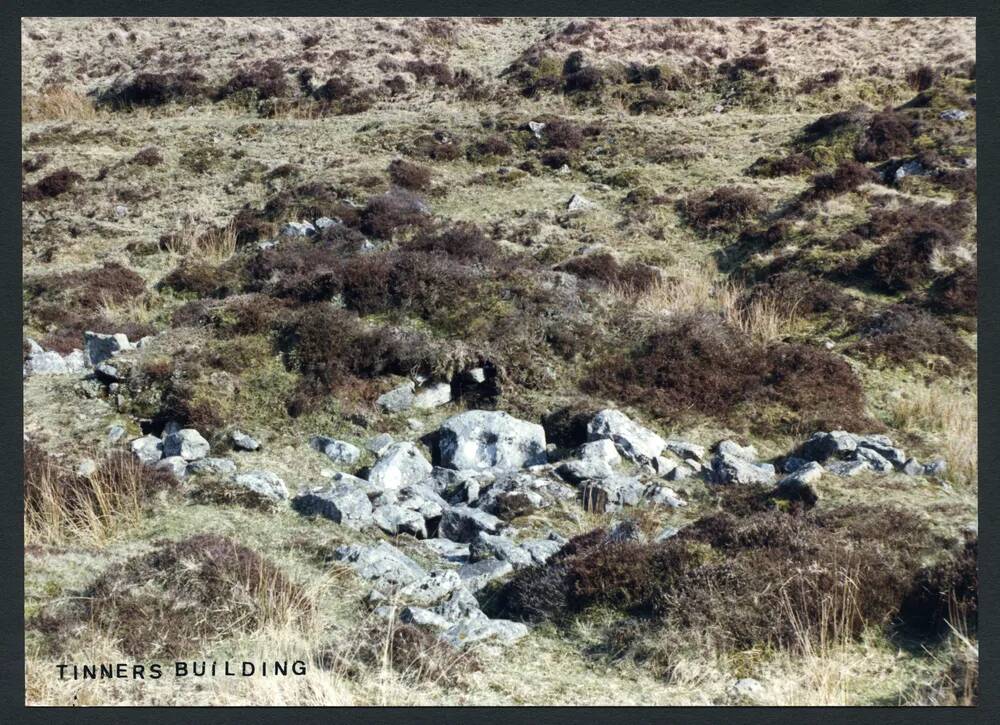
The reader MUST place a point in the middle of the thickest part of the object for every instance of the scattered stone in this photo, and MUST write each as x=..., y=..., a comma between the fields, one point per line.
x=591, y=469
x=216, y=466
x=821, y=446
x=954, y=114
x=731, y=469
x=536, y=128
x=98, y=347
x=174, y=464
x=297, y=229
x=115, y=433
x=243, y=441
x=343, y=503
x=148, y=449
x=482, y=439
x=87, y=467
x=394, y=519
x=686, y=450
x=379, y=443
x=420, y=617
x=449, y=550
x=913, y=467
x=400, y=465
x=324, y=221
x=472, y=631
x=432, y=396
x=611, y=493
x=430, y=589
x=808, y=473
x=52, y=363
x=337, y=451
x=578, y=202
x=937, y=467
x=383, y=564
x=541, y=549
x=462, y=523
x=875, y=460
x=264, y=483
x=632, y=440
x=398, y=399
x=601, y=450
x=458, y=606
x=663, y=496
x=847, y=469
x=477, y=575
x=732, y=448
x=625, y=531
x=884, y=447
x=486, y=546
x=187, y=443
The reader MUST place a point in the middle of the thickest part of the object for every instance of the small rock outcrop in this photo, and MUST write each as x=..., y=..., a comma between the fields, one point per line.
x=483, y=440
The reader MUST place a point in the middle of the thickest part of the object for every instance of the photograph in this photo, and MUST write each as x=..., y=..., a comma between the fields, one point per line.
x=498, y=361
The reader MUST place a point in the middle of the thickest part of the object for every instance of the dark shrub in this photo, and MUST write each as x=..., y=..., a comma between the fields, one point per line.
x=440, y=73
x=155, y=604
x=962, y=181
x=807, y=294
x=846, y=177
x=757, y=579
x=202, y=279
x=409, y=175
x=396, y=209
x=903, y=335
x=957, y=293
x=484, y=150
x=723, y=210
x=462, y=240
x=588, y=79
x=573, y=62
x=828, y=125
x=826, y=79
x=945, y=592
x=784, y=166
x=55, y=184
x=155, y=89
x=697, y=363
x=922, y=78
x=562, y=134
x=149, y=156
x=397, y=85
x=556, y=159
x=267, y=79
x=905, y=263
x=633, y=277
x=889, y=134
x=336, y=89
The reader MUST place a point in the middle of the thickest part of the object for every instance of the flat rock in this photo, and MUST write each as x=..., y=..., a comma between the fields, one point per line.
x=244, y=442
x=383, y=564
x=398, y=399
x=431, y=588
x=401, y=464
x=685, y=449
x=215, y=466
x=174, y=465
x=379, y=443
x=264, y=483
x=187, y=443
x=477, y=575
x=449, y=550
x=343, y=503
x=541, y=549
x=632, y=440
x=483, y=439
x=336, y=450
x=394, y=519
x=148, y=448
x=432, y=396
x=486, y=546
x=98, y=347
x=472, y=631
x=462, y=523
x=730, y=469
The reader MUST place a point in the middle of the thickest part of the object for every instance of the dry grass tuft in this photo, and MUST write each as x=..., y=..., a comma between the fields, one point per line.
x=57, y=103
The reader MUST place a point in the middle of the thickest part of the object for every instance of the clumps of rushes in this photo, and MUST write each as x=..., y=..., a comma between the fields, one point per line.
x=266, y=80
x=957, y=293
x=697, y=363
x=52, y=185
x=410, y=175
x=394, y=210
x=760, y=578
x=148, y=156
x=461, y=240
x=631, y=277
x=414, y=653
x=187, y=595
x=903, y=335
x=154, y=89
x=724, y=210
x=60, y=504
x=203, y=279
x=889, y=134
x=848, y=176
x=790, y=165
